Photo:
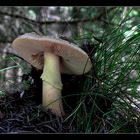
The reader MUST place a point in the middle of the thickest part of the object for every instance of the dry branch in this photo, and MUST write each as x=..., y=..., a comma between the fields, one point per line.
x=74, y=21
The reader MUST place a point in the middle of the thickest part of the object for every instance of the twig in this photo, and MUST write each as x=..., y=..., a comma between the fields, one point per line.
x=75, y=21
x=124, y=93
x=132, y=101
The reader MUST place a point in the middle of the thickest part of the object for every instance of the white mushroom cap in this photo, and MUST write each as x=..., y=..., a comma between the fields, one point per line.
x=31, y=47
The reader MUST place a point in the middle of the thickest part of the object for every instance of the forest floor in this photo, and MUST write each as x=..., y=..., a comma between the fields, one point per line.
x=25, y=115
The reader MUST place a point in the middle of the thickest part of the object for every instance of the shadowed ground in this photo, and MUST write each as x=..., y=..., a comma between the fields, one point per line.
x=25, y=116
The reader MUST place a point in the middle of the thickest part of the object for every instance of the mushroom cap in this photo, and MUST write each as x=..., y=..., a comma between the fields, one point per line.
x=31, y=47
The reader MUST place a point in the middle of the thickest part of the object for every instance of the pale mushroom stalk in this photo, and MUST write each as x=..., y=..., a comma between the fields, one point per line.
x=52, y=85
x=74, y=60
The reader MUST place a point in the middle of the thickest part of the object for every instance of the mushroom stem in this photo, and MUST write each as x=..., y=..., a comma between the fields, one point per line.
x=52, y=85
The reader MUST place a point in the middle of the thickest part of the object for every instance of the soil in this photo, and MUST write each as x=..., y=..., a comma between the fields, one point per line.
x=24, y=115
x=22, y=112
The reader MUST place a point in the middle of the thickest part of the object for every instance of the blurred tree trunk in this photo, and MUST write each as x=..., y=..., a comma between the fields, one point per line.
x=40, y=17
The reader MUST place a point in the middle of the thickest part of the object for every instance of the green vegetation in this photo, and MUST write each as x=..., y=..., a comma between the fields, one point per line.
x=109, y=102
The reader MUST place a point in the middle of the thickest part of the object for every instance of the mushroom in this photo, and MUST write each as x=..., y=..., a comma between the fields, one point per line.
x=54, y=56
